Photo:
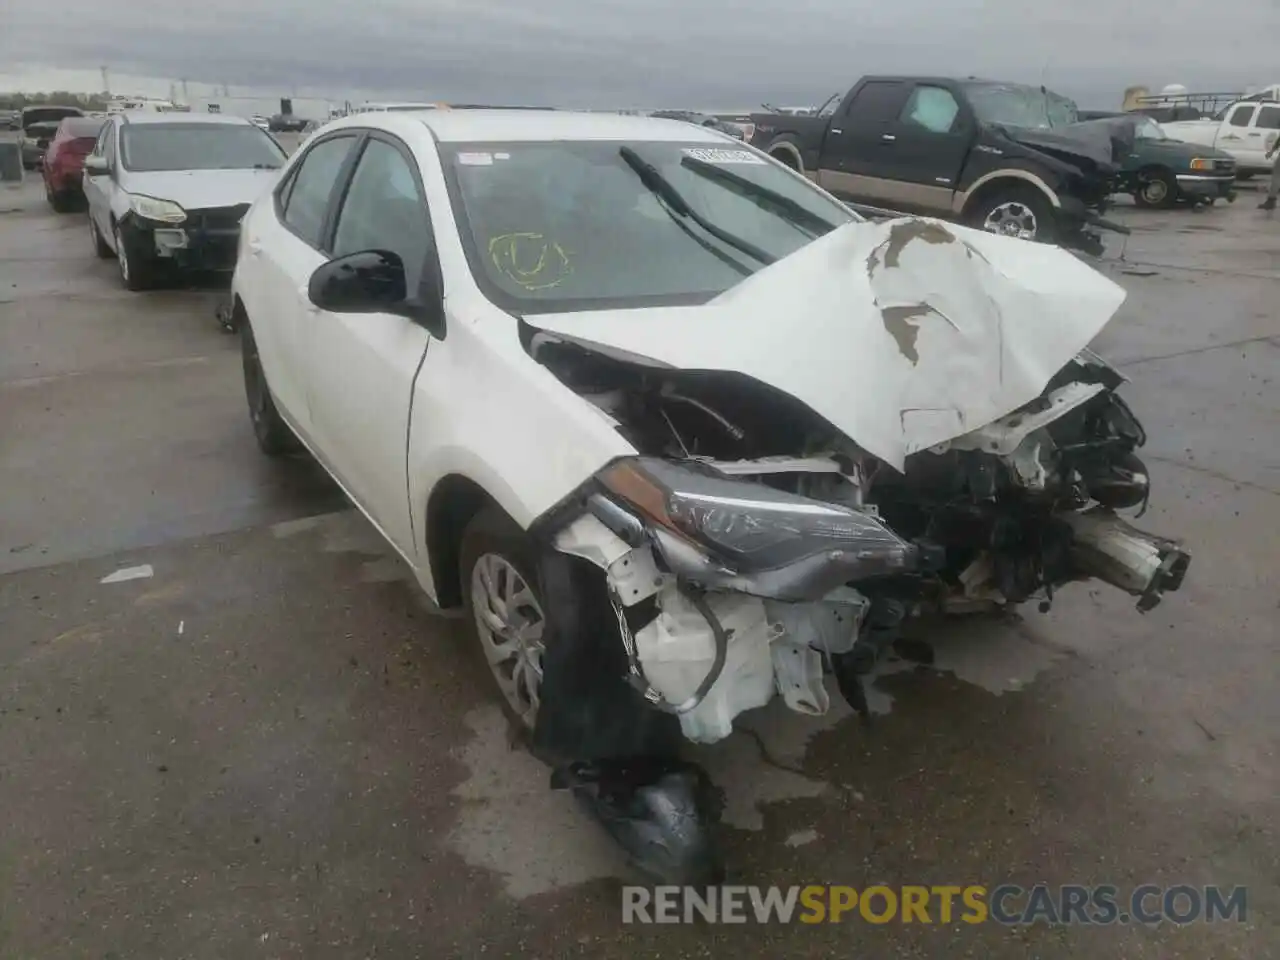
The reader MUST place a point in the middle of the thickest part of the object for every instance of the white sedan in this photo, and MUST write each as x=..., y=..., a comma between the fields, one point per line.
x=680, y=430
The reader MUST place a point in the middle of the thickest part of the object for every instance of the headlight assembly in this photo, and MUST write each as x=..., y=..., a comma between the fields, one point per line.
x=750, y=528
x=151, y=208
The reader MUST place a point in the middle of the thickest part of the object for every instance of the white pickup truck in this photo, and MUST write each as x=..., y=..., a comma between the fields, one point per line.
x=1247, y=130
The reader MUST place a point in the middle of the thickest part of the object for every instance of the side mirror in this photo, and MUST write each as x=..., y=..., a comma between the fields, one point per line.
x=96, y=166
x=371, y=281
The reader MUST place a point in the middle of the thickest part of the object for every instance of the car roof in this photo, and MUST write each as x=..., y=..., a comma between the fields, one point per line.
x=184, y=118
x=83, y=126
x=463, y=126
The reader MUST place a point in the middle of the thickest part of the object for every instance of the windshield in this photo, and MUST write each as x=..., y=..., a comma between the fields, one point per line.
x=150, y=147
x=563, y=226
x=1148, y=129
x=1016, y=105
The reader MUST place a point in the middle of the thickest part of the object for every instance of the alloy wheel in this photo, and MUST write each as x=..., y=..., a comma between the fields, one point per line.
x=122, y=258
x=510, y=625
x=1012, y=219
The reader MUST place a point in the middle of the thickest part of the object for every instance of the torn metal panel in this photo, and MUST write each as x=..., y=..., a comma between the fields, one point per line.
x=1006, y=435
x=902, y=334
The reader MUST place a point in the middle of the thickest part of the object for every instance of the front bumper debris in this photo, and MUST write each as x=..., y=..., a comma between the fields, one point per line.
x=1207, y=187
x=1107, y=547
x=207, y=240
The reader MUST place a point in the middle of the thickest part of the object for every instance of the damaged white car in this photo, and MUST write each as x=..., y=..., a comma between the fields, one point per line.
x=682, y=432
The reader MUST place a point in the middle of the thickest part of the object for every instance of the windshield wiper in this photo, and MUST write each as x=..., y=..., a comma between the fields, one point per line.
x=797, y=211
x=653, y=179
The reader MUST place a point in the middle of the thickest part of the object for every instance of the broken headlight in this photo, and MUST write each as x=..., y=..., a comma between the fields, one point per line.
x=750, y=527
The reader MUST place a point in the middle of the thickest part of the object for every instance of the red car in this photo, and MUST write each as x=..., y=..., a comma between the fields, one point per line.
x=63, y=161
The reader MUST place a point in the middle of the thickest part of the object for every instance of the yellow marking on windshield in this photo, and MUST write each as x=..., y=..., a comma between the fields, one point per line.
x=550, y=269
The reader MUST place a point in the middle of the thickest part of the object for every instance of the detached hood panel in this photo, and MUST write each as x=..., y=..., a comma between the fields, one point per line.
x=902, y=334
x=199, y=189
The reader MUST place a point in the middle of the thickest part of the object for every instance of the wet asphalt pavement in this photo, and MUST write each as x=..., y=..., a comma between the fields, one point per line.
x=269, y=747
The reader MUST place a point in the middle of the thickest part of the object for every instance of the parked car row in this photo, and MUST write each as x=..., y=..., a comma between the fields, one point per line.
x=1016, y=159
x=38, y=125
x=429, y=301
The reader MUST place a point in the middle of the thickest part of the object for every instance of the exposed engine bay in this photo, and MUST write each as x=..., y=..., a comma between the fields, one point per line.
x=751, y=548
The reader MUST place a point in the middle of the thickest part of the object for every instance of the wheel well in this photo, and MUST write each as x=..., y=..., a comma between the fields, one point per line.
x=452, y=504
x=1000, y=185
x=785, y=152
x=239, y=315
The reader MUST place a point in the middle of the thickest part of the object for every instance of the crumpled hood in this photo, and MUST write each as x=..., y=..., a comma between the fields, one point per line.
x=902, y=334
x=1105, y=143
x=199, y=189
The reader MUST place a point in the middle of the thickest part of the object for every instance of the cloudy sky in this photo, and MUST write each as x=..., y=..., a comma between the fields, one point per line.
x=725, y=54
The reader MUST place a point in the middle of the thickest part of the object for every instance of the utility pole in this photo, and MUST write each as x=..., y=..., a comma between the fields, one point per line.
x=106, y=81
x=186, y=97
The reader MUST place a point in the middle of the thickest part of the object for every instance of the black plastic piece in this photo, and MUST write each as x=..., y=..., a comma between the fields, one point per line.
x=659, y=810
x=588, y=711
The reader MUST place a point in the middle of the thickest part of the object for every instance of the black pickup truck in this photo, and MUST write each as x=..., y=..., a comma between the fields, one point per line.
x=1004, y=157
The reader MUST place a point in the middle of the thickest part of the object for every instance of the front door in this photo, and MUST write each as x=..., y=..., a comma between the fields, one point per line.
x=97, y=190
x=858, y=156
x=1234, y=136
x=361, y=367
x=1262, y=133
x=931, y=139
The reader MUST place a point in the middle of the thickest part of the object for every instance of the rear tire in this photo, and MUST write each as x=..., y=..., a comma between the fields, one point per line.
x=60, y=201
x=274, y=436
x=1015, y=211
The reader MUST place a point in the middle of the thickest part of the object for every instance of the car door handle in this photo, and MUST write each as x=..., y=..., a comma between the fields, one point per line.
x=837, y=131
x=888, y=137
x=1255, y=134
x=255, y=247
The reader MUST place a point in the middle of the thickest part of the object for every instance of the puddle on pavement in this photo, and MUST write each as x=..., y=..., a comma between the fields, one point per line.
x=513, y=824
x=538, y=840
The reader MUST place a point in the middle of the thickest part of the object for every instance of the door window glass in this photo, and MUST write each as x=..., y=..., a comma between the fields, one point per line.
x=1241, y=115
x=878, y=100
x=313, y=186
x=384, y=210
x=931, y=108
x=1269, y=118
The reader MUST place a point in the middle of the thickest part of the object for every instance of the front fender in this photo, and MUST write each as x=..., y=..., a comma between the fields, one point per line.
x=485, y=411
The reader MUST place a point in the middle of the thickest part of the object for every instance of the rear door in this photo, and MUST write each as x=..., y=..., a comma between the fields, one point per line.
x=281, y=247
x=361, y=367
x=857, y=155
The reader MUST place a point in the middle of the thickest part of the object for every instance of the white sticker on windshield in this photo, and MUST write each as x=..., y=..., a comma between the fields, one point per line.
x=502, y=156
x=717, y=155
x=476, y=159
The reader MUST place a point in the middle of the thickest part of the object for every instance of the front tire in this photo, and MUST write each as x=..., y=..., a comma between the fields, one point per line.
x=1157, y=189
x=274, y=436
x=100, y=247
x=500, y=588
x=1015, y=211
x=137, y=269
